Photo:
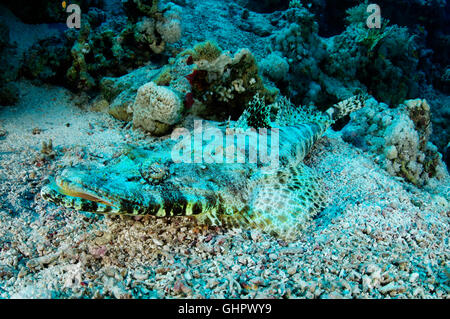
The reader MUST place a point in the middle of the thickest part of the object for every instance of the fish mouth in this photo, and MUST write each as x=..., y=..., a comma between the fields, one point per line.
x=72, y=189
x=67, y=192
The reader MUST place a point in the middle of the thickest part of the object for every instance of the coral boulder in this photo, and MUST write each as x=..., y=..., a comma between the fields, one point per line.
x=156, y=109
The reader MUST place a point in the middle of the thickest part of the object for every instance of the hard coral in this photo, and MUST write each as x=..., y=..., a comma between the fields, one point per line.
x=48, y=60
x=156, y=108
x=400, y=138
x=275, y=67
x=299, y=44
x=106, y=48
x=224, y=81
x=326, y=70
x=139, y=8
x=121, y=92
x=376, y=58
x=207, y=50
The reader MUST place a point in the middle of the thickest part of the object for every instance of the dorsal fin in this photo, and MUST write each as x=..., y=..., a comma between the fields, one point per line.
x=256, y=115
x=346, y=107
x=290, y=115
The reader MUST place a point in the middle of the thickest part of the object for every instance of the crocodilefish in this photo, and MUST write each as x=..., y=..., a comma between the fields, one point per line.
x=277, y=199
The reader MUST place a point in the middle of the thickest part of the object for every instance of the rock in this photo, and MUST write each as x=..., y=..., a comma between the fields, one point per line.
x=418, y=291
x=236, y=268
x=391, y=287
x=7, y=272
x=387, y=277
x=120, y=292
x=273, y=256
x=121, y=92
x=140, y=275
x=292, y=270
x=242, y=260
x=335, y=295
x=366, y=283
x=41, y=261
x=22, y=273
x=188, y=276
x=157, y=242
x=413, y=277
x=180, y=287
x=372, y=268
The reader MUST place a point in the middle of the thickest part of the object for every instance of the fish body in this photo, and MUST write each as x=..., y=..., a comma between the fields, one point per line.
x=277, y=194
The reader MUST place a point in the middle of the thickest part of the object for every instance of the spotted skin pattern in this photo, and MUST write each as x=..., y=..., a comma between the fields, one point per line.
x=279, y=201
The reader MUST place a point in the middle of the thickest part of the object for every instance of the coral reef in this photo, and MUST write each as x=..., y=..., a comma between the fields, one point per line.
x=275, y=67
x=358, y=60
x=119, y=93
x=219, y=84
x=47, y=61
x=427, y=20
x=214, y=83
x=225, y=83
x=156, y=109
x=377, y=58
x=105, y=46
x=132, y=46
x=400, y=139
x=299, y=42
x=138, y=8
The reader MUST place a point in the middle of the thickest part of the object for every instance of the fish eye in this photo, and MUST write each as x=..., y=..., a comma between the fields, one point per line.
x=154, y=172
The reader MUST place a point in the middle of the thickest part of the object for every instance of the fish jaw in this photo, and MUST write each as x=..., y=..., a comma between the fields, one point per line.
x=76, y=190
x=72, y=195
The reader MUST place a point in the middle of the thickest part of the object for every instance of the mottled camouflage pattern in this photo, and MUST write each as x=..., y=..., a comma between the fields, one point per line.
x=146, y=181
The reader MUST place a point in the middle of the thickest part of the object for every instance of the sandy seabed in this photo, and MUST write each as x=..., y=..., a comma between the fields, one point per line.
x=379, y=237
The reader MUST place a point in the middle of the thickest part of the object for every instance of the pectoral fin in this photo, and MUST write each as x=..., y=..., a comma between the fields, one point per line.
x=282, y=203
